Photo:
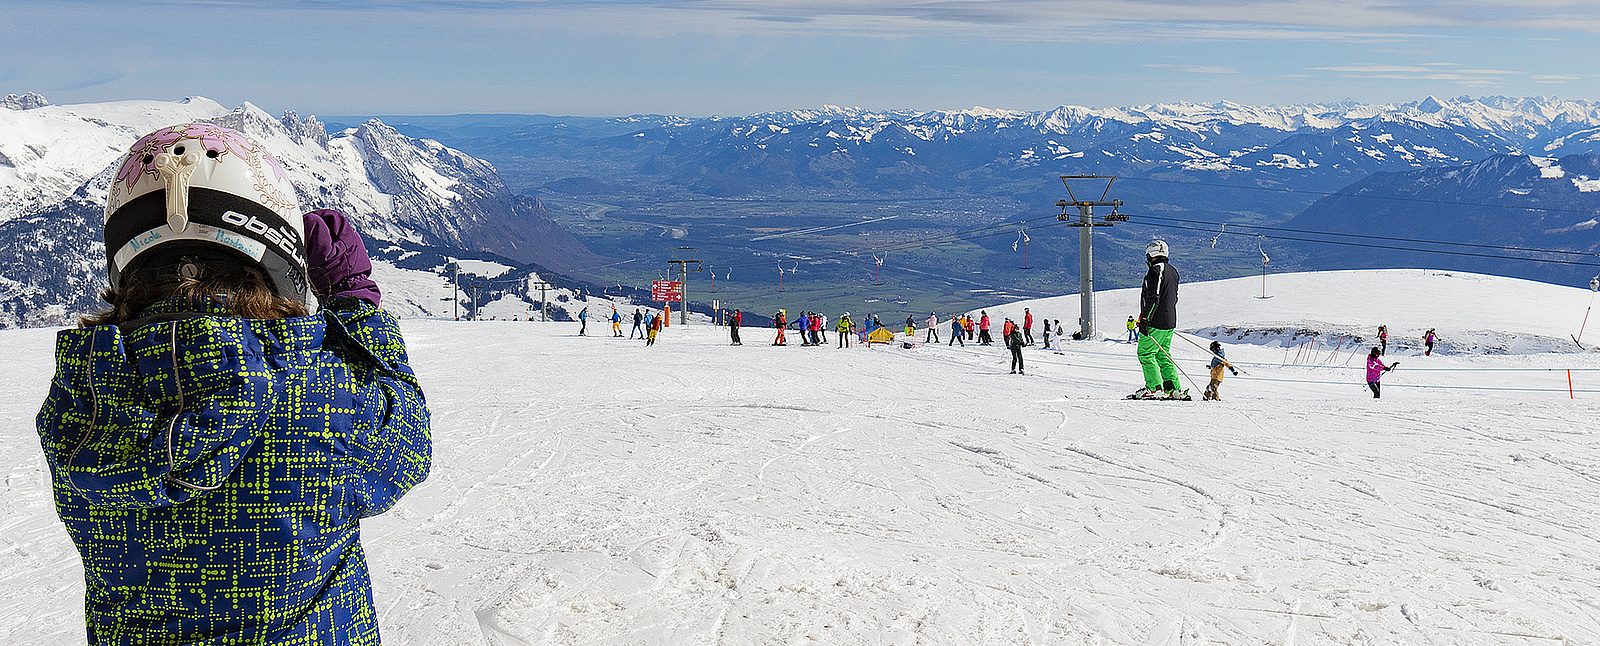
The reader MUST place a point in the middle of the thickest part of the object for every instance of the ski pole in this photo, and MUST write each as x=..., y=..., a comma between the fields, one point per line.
x=1181, y=371
x=1579, y=339
x=1208, y=351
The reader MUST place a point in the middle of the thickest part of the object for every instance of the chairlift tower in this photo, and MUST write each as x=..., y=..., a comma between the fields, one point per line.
x=544, y=302
x=1086, y=226
x=455, y=287
x=683, y=257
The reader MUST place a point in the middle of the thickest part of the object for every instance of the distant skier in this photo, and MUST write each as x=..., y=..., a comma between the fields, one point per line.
x=1133, y=330
x=638, y=320
x=822, y=328
x=1383, y=338
x=616, y=322
x=780, y=322
x=734, y=321
x=583, y=322
x=816, y=328
x=933, y=328
x=1427, y=340
x=1047, y=334
x=1375, y=370
x=844, y=329
x=957, y=331
x=1012, y=336
x=655, y=328
x=1027, y=325
x=1158, y=317
x=1218, y=362
x=983, y=331
x=911, y=327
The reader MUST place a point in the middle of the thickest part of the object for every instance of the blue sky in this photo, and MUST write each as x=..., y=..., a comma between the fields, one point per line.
x=704, y=57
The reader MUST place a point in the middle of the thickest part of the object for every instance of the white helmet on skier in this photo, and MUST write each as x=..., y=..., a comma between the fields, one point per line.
x=1156, y=249
x=199, y=189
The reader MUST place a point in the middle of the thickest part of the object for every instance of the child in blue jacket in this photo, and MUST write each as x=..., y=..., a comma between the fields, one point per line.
x=212, y=446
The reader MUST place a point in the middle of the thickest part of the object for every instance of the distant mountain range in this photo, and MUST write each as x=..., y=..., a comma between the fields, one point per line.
x=443, y=187
x=851, y=151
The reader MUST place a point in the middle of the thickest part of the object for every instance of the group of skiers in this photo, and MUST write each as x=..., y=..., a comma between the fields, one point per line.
x=1152, y=329
x=1428, y=339
x=646, y=325
x=964, y=328
x=812, y=327
x=1376, y=368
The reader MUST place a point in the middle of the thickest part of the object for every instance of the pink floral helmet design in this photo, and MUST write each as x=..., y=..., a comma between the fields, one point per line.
x=200, y=189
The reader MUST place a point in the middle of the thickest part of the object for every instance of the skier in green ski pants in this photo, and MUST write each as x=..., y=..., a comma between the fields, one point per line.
x=1158, y=317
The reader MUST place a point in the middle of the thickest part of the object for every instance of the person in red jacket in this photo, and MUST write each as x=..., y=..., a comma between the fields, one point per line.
x=780, y=321
x=1027, y=326
x=983, y=331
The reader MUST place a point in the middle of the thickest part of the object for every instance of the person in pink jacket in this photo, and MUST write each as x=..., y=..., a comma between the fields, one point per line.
x=983, y=330
x=1375, y=370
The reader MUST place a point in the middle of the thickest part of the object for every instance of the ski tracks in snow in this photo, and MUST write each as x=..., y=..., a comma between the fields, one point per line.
x=592, y=491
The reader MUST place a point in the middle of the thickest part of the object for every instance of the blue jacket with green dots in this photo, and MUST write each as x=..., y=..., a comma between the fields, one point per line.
x=213, y=471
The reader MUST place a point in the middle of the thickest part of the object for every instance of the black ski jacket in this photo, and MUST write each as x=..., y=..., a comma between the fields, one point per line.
x=1158, y=299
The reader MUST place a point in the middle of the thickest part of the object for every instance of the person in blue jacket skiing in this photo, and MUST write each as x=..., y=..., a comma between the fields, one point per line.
x=583, y=322
x=1219, y=361
x=212, y=446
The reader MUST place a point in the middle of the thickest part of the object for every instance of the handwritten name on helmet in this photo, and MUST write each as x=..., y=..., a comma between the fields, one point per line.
x=282, y=237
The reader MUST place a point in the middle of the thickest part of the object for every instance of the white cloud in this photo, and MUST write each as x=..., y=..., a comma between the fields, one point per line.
x=1195, y=69
x=1033, y=20
x=1441, y=72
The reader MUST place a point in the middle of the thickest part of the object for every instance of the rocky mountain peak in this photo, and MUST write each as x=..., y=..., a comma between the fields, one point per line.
x=27, y=101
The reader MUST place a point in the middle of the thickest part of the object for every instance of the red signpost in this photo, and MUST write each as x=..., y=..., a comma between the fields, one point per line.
x=666, y=291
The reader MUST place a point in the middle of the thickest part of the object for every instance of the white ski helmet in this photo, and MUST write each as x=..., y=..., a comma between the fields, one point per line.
x=202, y=190
x=1156, y=249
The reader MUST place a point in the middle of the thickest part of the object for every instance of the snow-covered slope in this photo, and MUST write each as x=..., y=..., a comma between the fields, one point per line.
x=588, y=490
x=1473, y=313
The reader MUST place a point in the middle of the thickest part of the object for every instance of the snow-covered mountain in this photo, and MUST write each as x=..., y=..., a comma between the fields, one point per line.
x=1018, y=153
x=55, y=163
x=1510, y=200
x=696, y=493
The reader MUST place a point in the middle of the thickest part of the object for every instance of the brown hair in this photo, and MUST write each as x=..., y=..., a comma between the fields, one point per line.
x=242, y=290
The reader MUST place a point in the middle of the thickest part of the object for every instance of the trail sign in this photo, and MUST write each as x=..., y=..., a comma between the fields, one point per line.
x=666, y=290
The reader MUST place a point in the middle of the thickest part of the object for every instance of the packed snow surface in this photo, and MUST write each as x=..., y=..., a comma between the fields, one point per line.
x=590, y=490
